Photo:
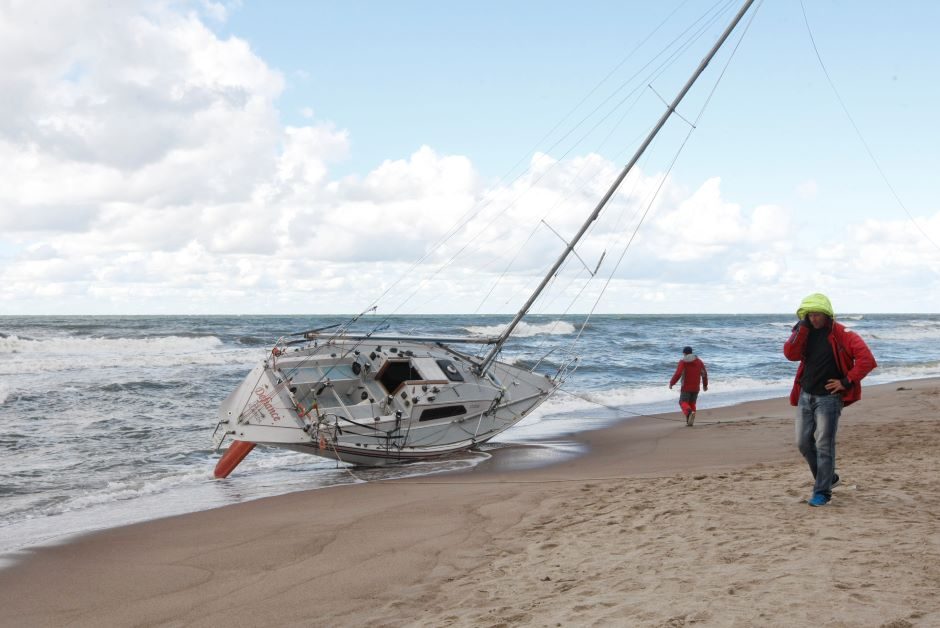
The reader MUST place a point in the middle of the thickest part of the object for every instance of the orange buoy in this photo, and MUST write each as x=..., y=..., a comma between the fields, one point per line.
x=235, y=453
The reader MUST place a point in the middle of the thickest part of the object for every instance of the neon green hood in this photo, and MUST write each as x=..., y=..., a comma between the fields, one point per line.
x=815, y=303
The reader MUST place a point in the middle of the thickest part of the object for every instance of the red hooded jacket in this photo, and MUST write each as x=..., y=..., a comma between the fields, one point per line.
x=691, y=371
x=853, y=357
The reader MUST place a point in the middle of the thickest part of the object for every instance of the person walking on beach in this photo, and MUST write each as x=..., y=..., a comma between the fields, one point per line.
x=833, y=361
x=691, y=370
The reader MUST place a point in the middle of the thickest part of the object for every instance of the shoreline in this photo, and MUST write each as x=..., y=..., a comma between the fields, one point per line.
x=530, y=453
x=657, y=522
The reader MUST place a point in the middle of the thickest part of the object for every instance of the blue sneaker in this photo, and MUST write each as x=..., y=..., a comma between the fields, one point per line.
x=835, y=481
x=818, y=500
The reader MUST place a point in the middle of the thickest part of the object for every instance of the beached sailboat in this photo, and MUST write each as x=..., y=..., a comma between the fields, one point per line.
x=370, y=399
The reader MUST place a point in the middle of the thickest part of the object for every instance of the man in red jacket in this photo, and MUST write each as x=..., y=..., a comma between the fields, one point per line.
x=833, y=361
x=691, y=370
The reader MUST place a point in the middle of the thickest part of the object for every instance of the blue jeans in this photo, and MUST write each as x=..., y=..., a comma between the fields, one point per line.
x=817, y=419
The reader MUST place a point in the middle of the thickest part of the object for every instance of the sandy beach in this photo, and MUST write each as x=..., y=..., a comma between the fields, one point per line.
x=658, y=525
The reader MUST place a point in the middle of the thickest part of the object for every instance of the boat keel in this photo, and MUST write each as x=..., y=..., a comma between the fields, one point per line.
x=235, y=453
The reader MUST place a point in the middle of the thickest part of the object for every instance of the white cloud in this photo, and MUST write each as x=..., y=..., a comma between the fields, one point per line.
x=757, y=268
x=769, y=223
x=147, y=108
x=701, y=226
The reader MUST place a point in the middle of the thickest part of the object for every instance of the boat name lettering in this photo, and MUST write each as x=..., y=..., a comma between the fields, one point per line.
x=265, y=400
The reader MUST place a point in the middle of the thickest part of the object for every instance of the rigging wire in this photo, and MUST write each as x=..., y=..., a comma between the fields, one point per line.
x=690, y=39
x=656, y=73
x=692, y=128
x=462, y=221
x=858, y=131
x=594, y=89
x=670, y=60
x=691, y=34
x=697, y=31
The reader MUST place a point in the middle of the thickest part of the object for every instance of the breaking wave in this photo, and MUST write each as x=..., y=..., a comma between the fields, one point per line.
x=525, y=330
x=57, y=354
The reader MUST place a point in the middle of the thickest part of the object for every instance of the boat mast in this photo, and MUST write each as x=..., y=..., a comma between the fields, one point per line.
x=613, y=188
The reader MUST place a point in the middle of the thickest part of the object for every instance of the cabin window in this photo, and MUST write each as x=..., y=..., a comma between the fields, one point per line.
x=442, y=412
x=309, y=374
x=339, y=371
x=395, y=372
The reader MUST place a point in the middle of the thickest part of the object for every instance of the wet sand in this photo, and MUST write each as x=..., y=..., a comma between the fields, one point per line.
x=658, y=525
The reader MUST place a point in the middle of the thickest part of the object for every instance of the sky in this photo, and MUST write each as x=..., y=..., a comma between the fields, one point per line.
x=424, y=157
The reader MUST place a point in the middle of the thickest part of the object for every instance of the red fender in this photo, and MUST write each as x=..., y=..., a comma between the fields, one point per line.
x=235, y=453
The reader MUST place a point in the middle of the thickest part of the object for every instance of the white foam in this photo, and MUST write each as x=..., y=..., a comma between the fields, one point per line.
x=574, y=410
x=915, y=330
x=644, y=395
x=743, y=384
x=58, y=354
x=134, y=488
x=900, y=373
x=95, y=345
x=525, y=330
x=278, y=459
x=513, y=359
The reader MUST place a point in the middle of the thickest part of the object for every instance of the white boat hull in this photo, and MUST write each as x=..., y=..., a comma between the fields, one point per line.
x=372, y=404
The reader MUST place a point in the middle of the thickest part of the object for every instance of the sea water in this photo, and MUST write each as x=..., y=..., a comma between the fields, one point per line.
x=106, y=421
